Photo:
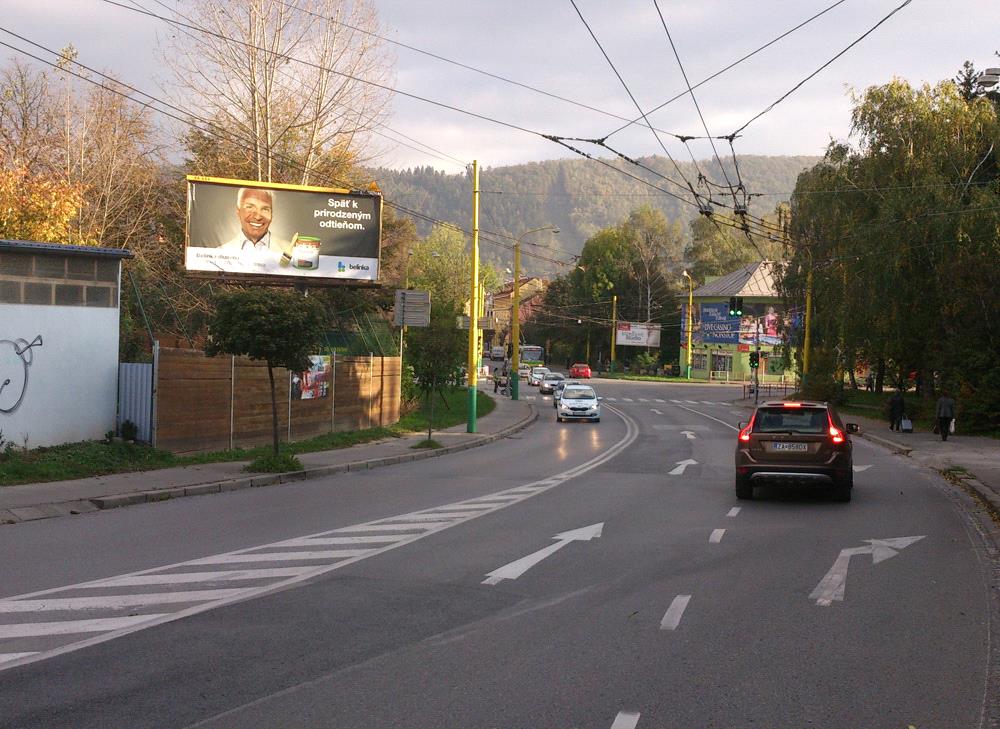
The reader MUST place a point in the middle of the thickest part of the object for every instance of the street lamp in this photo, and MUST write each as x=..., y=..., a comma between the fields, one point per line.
x=515, y=313
x=689, y=317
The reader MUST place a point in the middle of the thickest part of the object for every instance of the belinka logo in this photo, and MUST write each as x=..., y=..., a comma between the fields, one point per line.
x=341, y=267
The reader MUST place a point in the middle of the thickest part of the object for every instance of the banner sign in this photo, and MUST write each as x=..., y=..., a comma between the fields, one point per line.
x=637, y=335
x=315, y=381
x=257, y=229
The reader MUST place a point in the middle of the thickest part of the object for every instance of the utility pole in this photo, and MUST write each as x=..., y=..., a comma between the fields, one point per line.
x=690, y=319
x=808, y=321
x=614, y=328
x=756, y=370
x=472, y=366
x=515, y=325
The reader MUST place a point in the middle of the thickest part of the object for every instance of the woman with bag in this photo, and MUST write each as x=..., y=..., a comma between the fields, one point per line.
x=945, y=413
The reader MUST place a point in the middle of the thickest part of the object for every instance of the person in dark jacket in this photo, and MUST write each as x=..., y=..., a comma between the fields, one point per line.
x=945, y=413
x=897, y=408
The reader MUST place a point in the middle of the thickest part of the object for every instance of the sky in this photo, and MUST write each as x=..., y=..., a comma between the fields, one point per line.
x=545, y=44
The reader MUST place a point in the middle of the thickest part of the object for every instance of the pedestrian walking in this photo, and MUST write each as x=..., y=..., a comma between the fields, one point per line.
x=945, y=413
x=870, y=382
x=897, y=407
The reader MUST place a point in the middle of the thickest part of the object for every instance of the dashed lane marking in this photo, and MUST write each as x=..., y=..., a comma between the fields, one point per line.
x=734, y=511
x=716, y=536
x=672, y=618
x=626, y=720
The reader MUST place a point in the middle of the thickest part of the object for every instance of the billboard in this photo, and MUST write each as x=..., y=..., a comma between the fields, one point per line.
x=266, y=230
x=637, y=335
x=760, y=324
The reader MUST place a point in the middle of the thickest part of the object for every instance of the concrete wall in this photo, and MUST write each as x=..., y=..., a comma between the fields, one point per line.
x=58, y=347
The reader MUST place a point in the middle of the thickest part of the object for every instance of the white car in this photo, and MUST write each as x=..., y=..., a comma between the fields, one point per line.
x=579, y=402
x=523, y=371
x=537, y=374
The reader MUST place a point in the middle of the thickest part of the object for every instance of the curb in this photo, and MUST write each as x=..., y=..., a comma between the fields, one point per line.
x=886, y=443
x=114, y=501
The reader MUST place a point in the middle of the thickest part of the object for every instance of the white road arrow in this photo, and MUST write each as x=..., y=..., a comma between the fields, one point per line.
x=832, y=586
x=859, y=469
x=515, y=569
x=681, y=465
x=690, y=434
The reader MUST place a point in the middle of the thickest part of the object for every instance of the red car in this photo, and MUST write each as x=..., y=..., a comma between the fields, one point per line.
x=580, y=370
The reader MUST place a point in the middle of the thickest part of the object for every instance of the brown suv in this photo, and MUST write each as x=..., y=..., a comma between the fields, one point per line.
x=797, y=443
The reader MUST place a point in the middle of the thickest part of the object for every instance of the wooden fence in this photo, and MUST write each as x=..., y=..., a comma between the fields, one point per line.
x=214, y=403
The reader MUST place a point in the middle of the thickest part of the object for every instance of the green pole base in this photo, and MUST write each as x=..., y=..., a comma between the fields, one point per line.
x=473, y=395
x=515, y=385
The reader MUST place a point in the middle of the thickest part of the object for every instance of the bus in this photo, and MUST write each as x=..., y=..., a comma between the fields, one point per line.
x=532, y=354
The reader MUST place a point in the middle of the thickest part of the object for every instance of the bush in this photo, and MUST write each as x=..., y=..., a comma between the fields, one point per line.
x=129, y=430
x=283, y=462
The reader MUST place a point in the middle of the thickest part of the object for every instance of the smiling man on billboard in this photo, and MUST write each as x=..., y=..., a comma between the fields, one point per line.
x=255, y=208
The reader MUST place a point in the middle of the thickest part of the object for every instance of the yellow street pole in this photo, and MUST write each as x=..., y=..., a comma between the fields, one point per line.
x=808, y=322
x=472, y=367
x=614, y=328
x=690, y=319
x=515, y=325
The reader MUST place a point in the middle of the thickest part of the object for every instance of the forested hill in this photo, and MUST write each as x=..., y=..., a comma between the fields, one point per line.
x=579, y=196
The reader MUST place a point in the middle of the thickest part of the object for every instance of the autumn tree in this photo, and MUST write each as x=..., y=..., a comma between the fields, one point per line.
x=287, y=89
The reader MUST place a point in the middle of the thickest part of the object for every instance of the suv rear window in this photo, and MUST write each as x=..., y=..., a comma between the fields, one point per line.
x=791, y=420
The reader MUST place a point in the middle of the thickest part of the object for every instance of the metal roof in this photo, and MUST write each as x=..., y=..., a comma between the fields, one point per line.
x=753, y=279
x=27, y=246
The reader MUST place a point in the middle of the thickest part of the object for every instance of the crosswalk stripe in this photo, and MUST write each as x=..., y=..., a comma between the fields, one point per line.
x=627, y=399
x=421, y=517
x=708, y=402
x=392, y=527
x=660, y=400
x=676, y=401
x=642, y=399
x=328, y=541
x=180, y=578
x=462, y=507
x=691, y=402
x=279, y=556
x=113, y=602
x=69, y=627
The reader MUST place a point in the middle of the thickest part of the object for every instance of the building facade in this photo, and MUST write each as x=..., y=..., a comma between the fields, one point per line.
x=722, y=343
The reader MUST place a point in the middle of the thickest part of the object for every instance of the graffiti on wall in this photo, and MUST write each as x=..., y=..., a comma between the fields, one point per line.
x=15, y=360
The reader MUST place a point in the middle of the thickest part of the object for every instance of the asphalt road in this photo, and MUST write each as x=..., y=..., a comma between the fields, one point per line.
x=532, y=583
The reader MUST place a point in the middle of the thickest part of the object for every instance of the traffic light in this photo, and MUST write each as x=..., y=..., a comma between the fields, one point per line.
x=735, y=306
x=732, y=306
x=754, y=360
x=739, y=306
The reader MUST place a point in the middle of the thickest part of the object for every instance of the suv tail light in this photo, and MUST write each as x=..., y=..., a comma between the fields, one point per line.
x=835, y=433
x=745, y=433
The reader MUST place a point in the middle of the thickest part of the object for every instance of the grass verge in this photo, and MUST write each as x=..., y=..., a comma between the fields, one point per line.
x=97, y=458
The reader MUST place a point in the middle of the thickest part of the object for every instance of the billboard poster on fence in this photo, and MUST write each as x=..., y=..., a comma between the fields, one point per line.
x=637, y=335
x=263, y=230
x=315, y=381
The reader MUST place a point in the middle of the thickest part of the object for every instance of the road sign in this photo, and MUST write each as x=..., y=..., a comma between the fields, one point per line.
x=413, y=308
x=485, y=322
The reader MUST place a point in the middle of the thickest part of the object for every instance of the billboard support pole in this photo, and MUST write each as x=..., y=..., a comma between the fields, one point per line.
x=472, y=368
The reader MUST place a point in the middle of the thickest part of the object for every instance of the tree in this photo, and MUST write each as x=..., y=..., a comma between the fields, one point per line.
x=275, y=326
x=441, y=265
x=36, y=207
x=436, y=354
x=286, y=89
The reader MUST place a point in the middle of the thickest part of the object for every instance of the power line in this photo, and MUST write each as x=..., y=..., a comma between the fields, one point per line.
x=731, y=65
x=797, y=86
x=634, y=101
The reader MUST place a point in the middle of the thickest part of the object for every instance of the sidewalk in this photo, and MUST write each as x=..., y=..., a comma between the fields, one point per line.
x=28, y=502
x=972, y=459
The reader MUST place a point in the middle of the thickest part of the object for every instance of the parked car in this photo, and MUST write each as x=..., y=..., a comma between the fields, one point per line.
x=523, y=371
x=557, y=393
x=580, y=369
x=536, y=375
x=549, y=382
x=579, y=402
x=800, y=443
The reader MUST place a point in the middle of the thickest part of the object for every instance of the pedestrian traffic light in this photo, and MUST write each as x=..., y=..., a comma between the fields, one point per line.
x=754, y=360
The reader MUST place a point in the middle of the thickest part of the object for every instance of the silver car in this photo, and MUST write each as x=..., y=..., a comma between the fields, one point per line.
x=537, y=373
x=579, y=402
x=549, y=382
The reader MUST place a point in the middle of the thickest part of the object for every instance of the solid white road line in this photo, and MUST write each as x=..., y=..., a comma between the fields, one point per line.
x=716, y=536
x=625, y=720
x=68, y=627
x=672, y=618
x=113, y=602
x=280, y=556
x=181, y=578
x=734, y=511
x=4, y=657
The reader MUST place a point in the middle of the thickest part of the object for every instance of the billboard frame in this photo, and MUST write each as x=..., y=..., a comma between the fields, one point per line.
x=270, y=279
